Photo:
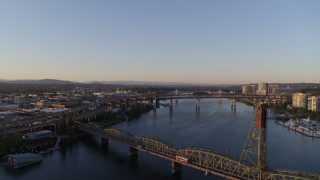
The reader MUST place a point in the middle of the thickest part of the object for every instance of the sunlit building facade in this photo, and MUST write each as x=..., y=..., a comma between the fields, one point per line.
x=272, y=89
x=249, y=89
x=314, y=103
x=299, y=100
x=262, y=89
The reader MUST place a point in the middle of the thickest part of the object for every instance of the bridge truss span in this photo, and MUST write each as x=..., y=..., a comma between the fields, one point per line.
x=157, y=145
x=216, y=162
x=121, y=135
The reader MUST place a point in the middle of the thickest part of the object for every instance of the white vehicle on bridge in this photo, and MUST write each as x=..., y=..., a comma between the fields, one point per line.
x=182, y=159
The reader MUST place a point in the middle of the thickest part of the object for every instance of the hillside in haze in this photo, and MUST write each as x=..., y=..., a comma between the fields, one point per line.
x=41, y=81
x=143, y=83
x=120, y=83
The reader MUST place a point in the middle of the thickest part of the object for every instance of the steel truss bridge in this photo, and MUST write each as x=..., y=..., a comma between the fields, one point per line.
x=207, y=161
x=236, y=96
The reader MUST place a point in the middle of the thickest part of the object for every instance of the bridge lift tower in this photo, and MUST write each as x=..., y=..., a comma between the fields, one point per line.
x=254, y=151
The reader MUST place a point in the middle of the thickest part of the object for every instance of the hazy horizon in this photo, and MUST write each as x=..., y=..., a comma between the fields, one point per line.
x=153, y=82
x=209, y=42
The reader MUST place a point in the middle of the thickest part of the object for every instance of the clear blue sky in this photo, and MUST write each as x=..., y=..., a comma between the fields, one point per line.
x=199, y=41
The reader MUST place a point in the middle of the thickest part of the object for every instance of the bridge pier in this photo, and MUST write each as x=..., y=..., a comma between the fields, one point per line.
x=233, y=104
x=104, y=142
x=197, y=104
x=171, y=104
x=154, y=103
x=133, y=152
x=176, y=168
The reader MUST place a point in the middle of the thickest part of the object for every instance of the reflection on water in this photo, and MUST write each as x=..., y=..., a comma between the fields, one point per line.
x=214, y=127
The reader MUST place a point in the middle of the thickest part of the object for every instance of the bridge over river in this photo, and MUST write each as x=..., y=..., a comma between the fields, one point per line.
x=210, y=162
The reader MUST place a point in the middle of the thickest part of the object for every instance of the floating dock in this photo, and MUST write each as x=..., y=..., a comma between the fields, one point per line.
x=21, y=160
x=299, y=129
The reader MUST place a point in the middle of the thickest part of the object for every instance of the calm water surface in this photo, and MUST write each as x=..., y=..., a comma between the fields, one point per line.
x=215, y=127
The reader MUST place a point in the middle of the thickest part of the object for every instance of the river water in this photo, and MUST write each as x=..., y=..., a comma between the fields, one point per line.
x=215, y=127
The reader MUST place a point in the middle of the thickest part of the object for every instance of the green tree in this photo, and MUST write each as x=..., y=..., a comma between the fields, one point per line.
x=11, y=143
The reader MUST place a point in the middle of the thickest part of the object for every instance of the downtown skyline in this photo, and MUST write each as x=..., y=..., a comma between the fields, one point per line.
x=218, y=42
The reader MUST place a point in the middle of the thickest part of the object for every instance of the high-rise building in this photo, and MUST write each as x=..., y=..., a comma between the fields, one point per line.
x=248, y=89
x=272, y=89
x=314, y=103
x=299, y=100
x=245, y=89
x=262, y=89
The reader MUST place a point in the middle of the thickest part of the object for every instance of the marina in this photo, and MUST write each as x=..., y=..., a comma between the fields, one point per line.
x=306, y=127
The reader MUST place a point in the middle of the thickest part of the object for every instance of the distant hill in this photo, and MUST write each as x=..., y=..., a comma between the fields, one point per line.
x=148, y=83
x=110, y=83
x=138, y=83
x=41, y=81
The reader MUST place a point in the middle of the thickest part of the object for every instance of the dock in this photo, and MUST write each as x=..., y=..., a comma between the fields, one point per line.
x=301, y=130
x=21, y=160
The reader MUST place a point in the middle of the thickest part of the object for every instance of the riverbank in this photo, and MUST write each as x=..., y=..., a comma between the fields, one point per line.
x=298, y=113
x=245, y=101
x=32, y=146
x=12, y=144
x=111, y=119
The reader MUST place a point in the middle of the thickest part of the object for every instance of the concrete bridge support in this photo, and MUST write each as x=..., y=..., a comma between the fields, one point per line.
x=197, y=104
x=154, y=103
x=176, y=168
x=133, y=152
x=104, y=144
x=233, y=105
x=104, y=141
x=171, y=104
